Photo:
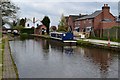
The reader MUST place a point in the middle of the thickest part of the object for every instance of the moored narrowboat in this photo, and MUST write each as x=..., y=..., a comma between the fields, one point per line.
x=66, y=37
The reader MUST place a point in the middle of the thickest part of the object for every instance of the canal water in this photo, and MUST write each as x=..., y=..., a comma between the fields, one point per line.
x=41, y=58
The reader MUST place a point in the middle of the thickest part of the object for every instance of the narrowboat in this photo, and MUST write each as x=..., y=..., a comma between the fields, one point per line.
x=66, y=37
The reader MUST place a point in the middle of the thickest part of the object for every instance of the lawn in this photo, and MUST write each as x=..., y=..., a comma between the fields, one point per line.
x=1, y=57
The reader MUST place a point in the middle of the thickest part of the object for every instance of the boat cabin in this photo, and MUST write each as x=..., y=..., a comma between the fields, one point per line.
x=62, y=36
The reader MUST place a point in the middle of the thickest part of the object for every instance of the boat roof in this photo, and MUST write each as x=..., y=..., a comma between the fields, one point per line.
x=57, y=32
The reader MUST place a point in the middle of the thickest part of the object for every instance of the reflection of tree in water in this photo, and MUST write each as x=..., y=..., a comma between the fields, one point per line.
x=45, y=46
x=100, y=58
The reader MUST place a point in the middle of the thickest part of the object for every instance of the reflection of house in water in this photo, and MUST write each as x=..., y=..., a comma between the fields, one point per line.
x=45, y=48
x=45, y=44
x=101, y=58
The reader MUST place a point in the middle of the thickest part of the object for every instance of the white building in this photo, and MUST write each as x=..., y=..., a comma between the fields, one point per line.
x=29, y=23
x=7, y=25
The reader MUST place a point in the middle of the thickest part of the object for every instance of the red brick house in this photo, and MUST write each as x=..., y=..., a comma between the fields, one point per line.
x=118, y=21
x=40, y=30
x=99, y=20
x=71, y=20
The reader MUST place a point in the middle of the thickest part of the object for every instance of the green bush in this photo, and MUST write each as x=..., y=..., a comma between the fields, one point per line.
x=18, y=27
x=28, y=31
x=23, y=36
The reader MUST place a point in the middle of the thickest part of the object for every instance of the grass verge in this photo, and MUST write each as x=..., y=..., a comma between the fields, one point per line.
x=2, y=44
x=103, y=46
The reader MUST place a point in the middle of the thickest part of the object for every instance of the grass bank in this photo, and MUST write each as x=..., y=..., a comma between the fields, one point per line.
x=111, y=39
x=42, y=36
x=2, y=44
x=84, y=43
x=101, y=46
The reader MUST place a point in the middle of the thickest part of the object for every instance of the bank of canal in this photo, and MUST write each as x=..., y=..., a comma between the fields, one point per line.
x=9, y=69
x=102, y=44
x=42, y=58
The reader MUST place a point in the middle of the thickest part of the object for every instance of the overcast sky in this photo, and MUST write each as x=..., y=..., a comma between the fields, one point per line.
x=54, y=8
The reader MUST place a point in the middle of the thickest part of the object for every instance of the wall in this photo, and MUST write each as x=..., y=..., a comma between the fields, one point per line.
x=39, y=30
x=71, y=23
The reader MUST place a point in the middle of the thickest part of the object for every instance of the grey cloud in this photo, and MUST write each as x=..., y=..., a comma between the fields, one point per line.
x=55, y=9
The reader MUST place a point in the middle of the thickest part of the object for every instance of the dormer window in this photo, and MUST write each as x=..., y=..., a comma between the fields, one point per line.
x=28, y=25
x=37, y=25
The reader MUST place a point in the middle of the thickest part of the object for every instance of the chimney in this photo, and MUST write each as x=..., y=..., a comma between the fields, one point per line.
x=105, y=7
x=105, y=10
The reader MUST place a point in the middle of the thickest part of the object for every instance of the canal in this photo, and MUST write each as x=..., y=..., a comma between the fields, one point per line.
x=41, y=58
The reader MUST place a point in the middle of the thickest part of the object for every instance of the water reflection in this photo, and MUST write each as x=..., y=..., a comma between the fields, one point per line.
x=69, y=50
x=55, y=60
x=101, y=58
x=57, y=45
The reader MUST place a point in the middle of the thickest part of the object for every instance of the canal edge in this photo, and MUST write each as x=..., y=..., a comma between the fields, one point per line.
x=15, y=66
x=8, y=63
x=86, y=44
x=95, y=45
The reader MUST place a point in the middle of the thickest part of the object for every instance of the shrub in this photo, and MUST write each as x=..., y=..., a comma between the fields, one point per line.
x=27, y=30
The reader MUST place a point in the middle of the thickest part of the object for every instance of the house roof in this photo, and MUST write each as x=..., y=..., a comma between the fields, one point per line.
x=91, y=15
x=74, y=17
x=39, y=26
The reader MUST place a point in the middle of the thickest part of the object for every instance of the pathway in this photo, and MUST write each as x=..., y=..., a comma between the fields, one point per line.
x=95, y=41
x=8, y=67
x=102, y=41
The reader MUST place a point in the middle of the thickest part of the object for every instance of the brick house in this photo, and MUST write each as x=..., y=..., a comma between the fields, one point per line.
x=118, y=21
x=71, y=20
x=40, y=30
x=97, y=21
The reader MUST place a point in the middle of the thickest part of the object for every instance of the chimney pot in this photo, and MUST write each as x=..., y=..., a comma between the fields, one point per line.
x=105, y=5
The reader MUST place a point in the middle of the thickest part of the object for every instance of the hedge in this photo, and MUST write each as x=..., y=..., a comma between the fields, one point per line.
x=27, y=30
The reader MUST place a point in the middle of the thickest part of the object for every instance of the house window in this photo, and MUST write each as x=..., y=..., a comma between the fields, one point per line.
x=89, y=21
x=37, y=25
x=84, y=22
x=75, y=24
x=28, y=25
